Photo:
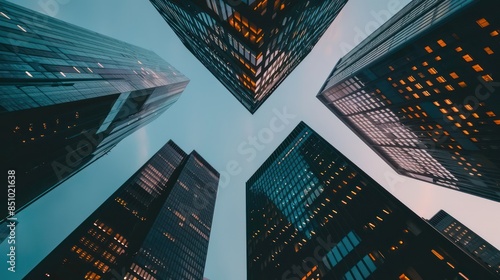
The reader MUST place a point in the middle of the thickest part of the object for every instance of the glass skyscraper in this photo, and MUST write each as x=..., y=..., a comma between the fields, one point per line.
x=68, y=95
x=313, y=214
x=249, y=46
x=468, y=240
x=155, y=226
x=421, y=91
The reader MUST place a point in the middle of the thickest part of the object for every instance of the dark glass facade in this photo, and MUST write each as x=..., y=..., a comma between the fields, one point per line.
x=249, y=46
x=421, y=91
x=468, y=240
x=155, y=226
x=313, y=214
x=68, y=95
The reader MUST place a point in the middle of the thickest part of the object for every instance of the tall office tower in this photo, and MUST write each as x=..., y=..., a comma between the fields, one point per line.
x=249, y=46
x=313, y=214
x=155, y=226
x=68, y=95
x=421, y=92
x=466, y=239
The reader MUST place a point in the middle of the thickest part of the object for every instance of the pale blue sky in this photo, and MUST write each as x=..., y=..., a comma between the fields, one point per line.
x=209, y=119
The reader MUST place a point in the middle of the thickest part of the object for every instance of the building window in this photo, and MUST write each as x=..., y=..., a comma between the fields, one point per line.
x=441, y=43
x=490, y=114
x=487, y=78
x=467, y=58
x=433, y=71
x=441, y=79
x=477, y=68
x=482, y=22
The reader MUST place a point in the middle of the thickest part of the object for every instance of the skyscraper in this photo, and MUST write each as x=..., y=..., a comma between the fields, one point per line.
x=155, y=226
x=249, y=46
x=313, y=214
x=421, y=92
x=468, y=240
x=68, y=95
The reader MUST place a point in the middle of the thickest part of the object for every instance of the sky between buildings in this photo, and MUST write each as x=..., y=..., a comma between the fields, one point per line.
x=210, y=120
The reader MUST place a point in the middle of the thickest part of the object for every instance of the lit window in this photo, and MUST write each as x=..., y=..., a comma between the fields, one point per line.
x=454, y=109
x=477, y=68
x=391, y=68
x=449, y=88
x=443, y=110
x=414, y=68
x=4, y=15
x=465, y=132
x=409, y=89
x=438, y=58
x=449, y=117
x=447, y=101
x=429, y=83
x=494, y=33
x=454, y=75
x=488, y=50
x=421, y=75
x=428, y=49
x=411, y=79
x=458, y=125
x=497, y=122
x=462, y=84
x=487, y=78
x=482, y=22
x=425, y=63
x=458, y=49
x=389, y=79
x=474, y=139
x=436, y=103
x=402, y=82
x=416, y=96
x=441, y=79
x=433, y=71
x=475, y=115
x=426, y=93
x=462, y=116
x=439, y=256
x=490, y=114
x=467, y=58
x=436, y=90
x=419, y=86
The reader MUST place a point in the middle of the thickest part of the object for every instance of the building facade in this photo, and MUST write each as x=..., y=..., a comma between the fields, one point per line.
x=155, y=226
x=468, y=240
x=249, y=46
x=68, y=95
x=420, y=91
x=313, y=214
